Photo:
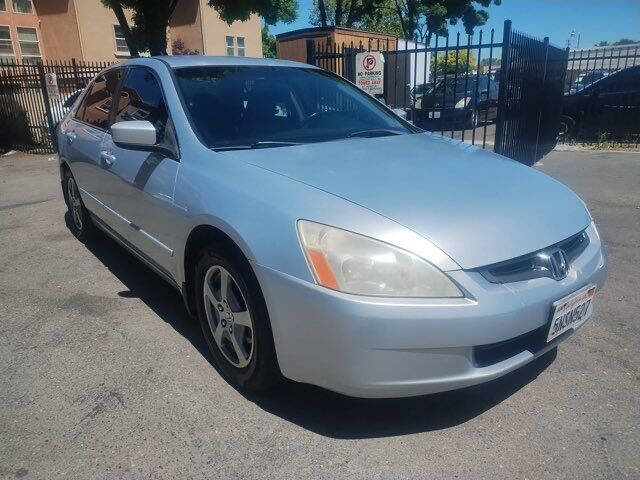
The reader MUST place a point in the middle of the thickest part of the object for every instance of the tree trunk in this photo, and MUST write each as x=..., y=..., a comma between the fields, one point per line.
x=126, y=31
x=402, y=22
x=323, y=13
x=351, y=18
x=158, y=40
x=338, y=16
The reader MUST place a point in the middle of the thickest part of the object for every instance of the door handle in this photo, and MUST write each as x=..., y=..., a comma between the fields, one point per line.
x=71, y=136
x=107, y=158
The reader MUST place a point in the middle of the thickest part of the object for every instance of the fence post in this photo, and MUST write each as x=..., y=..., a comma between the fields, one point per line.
x=502, y=93
x=542, y=100
x=47, y=106
x=75, y=72
x=311, y=52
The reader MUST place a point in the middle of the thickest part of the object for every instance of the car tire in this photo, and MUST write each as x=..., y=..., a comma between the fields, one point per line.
x=567, y=124
x=474, y=119
x=80, y=222
x=235, y=325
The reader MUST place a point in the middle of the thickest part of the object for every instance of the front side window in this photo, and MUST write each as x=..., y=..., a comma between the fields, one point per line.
x=96, y=105
x=229, y=41
x=6, y=47
x=141, y=99
x=245, y=105
x=28, y=39
x=121, y=43
x=22, y=6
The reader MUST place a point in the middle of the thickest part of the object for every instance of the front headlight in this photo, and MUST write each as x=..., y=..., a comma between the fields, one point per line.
x=353, y=263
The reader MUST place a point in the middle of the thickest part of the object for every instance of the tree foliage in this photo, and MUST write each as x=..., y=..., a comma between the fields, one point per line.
x=621, y=42
x=151, y=18
x=425, y=18
x=452, y=63
x=179, y=48
x=345, y=13
x=268, y=43
x=406, y=18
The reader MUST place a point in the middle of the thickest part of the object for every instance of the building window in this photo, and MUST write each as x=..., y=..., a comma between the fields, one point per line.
x=22, y=6
x=232, y=43
x=240, y=42
x=121, y=43
x=6, y=47
x=28, y=39
x=230, y=51
x=3, y=6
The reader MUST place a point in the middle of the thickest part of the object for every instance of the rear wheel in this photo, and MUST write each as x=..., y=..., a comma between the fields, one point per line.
x=234, y=319
x=80, y=225
x=567, y=125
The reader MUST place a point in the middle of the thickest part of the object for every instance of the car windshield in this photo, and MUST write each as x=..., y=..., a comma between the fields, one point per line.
x=249, y=106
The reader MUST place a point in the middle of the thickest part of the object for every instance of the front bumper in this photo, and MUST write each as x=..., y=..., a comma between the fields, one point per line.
x=381, y=347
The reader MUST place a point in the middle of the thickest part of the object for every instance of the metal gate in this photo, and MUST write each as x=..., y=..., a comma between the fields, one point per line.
x=28, y=116
x=530, y=100
x=506, y=96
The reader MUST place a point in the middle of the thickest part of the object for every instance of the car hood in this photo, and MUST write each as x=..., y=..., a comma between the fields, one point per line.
x=478, y=207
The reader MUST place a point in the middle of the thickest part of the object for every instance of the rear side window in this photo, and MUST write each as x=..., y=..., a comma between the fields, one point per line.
x=141, y=99
x=96, y=105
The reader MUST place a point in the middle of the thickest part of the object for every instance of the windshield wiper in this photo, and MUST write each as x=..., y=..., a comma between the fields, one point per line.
x=375, y=132
x=262, y=144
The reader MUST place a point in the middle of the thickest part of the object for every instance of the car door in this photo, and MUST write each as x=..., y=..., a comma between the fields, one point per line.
x=83, y=135
x=140, y=181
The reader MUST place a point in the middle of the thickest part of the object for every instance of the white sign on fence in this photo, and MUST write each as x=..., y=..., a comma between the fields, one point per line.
x=51, y=81
x=370, y=72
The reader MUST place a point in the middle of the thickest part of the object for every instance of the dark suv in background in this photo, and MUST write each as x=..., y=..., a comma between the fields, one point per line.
x=608, y=106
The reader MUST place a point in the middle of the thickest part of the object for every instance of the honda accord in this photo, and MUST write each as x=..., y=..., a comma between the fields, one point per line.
x=317, y=236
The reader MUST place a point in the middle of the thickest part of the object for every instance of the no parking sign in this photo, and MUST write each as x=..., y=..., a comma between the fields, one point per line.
x=51, y=80
x=370, y=72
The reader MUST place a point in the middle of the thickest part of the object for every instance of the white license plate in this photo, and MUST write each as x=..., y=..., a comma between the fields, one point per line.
x=434, y=114
x=571, y=311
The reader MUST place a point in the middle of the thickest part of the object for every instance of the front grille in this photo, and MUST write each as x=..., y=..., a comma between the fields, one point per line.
x=537, y=264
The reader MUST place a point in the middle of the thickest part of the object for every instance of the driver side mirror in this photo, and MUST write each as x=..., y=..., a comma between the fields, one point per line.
x=134, y=133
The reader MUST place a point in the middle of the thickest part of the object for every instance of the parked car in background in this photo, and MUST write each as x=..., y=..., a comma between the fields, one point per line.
x=317, y=235
x=458, y=102
x=586, y=79
x=609, y=106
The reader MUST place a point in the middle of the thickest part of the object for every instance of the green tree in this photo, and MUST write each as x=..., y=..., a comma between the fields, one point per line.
x=345, y=13
x=151, y=18
x=625, y=41
x=453, y=62
x=423, y=18
x=268, y=43
x=405, y=18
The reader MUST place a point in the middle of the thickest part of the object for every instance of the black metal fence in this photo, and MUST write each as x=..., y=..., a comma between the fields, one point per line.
x=531, y=96
x=602, y=95
x=502, y=95
x=28, y=114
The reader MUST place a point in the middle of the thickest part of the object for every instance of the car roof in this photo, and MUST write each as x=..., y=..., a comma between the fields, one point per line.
x=179, y=61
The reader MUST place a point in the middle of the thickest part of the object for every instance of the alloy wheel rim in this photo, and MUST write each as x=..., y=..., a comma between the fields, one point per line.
x=228, y=316
x=74, y=203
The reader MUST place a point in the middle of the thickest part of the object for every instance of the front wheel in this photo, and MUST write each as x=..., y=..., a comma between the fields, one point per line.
x=234, y=319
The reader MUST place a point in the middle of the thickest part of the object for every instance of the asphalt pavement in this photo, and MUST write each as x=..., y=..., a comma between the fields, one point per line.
x=103, y=374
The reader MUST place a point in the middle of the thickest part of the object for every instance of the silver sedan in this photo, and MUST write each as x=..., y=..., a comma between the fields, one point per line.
x=317, y=236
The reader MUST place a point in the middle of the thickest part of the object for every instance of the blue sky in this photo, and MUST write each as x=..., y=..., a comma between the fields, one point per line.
x=595, y=19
